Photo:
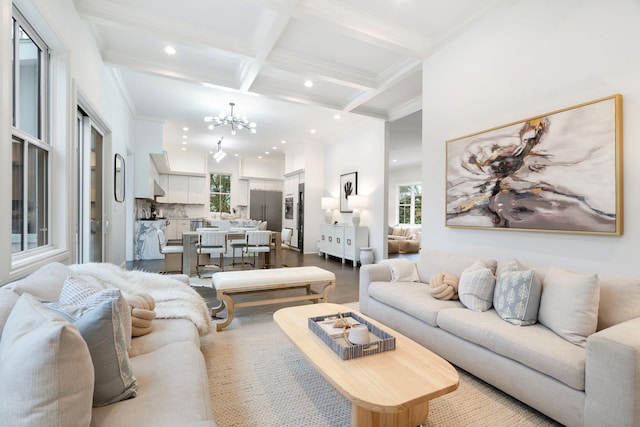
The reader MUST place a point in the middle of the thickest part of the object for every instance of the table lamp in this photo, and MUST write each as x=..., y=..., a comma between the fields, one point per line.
x=356, y=203
x=328, y=204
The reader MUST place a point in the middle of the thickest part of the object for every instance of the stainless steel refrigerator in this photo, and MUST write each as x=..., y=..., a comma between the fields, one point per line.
x=267, y=206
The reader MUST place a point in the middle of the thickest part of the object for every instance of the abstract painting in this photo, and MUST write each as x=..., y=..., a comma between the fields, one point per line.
x=348, y=187
x=558, y=172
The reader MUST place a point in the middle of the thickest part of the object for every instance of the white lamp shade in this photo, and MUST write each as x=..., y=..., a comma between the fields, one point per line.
x=358, y=202
x=329, y=203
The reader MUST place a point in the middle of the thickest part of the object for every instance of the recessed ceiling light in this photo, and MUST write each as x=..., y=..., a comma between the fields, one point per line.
x=184, y=142
x=184, y=137
x=283, y=142
x=313, y=131
x=210, y=152
x=184, y=148
x=274, y=148
x=186, y=129
x=308, y=83
x=266, y=152
x=259, y=157
x=236, y=154
x=337, y=117
x=394, y=160
x=170, y=50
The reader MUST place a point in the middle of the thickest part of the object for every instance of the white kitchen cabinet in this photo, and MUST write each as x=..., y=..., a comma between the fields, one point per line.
x=343, y=241
x=186, y=189
x=175, y=228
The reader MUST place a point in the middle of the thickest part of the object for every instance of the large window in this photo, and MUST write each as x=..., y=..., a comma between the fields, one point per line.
x=220, y=193
x=410, y=204
x=30, y=153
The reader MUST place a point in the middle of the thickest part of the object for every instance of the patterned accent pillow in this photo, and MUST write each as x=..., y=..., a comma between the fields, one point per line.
x=476, y=287
x=78, y=292
x=517, y=294
x=101, y=328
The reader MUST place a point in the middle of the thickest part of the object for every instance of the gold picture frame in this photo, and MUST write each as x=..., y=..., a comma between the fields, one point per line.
x=557, y=172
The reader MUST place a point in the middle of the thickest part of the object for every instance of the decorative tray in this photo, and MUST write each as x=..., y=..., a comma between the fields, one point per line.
x=379, y=340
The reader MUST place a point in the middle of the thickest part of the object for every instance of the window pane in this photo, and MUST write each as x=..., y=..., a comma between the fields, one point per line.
x=220, y=193
x=37, y=228
x=17, y=204
x=28, y=90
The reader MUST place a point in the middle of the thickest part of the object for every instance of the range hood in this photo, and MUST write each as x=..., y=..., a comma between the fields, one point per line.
x=157, y=190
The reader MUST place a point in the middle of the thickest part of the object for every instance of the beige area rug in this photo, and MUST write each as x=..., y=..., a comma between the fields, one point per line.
x=258, y=378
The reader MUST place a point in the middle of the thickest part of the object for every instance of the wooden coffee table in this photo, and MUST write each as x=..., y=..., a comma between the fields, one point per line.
x=392, y=388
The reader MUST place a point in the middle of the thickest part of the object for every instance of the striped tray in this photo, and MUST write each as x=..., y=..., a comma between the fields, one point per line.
x=379, y=340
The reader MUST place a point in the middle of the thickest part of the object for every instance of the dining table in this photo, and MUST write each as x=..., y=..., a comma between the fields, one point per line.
x=190, y=240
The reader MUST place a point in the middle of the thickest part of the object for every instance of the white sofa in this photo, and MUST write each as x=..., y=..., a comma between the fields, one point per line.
x=596, y=383
x=168, y=365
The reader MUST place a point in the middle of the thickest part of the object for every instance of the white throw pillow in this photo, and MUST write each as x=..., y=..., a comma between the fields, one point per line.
x=46, y=374
x=475, y=288
x=101, y=328
x=76, y=291
x=402, y=270
x=569, y=304
x=516, y=297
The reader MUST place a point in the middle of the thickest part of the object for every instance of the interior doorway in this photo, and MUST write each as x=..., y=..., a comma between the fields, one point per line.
x=90, y=189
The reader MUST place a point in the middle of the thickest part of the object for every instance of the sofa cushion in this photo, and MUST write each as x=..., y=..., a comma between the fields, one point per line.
x=475, y=287
x=517, y=293
x=46, y=282
x=45, y=367
x=432, y=261
x=78, y=292
x=173, y=390
x=534, y=346
x=619, y=300
x=165, y=332
x=569, y=304
x=102, y=329
x=413, y=298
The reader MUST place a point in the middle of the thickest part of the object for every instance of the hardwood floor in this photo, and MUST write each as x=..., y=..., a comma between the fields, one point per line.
x=346, y=290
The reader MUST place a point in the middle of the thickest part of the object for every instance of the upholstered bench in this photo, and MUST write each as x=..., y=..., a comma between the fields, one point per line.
x=230, y=283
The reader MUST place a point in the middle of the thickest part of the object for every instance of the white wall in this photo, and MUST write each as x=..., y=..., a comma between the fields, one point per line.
x=361, y=150
x=525, y=59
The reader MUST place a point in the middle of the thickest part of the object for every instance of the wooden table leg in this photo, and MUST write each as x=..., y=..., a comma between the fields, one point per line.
x=412, y=417
x=227, y=301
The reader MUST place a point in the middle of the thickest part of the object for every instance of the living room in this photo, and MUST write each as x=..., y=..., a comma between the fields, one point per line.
x=520, y=59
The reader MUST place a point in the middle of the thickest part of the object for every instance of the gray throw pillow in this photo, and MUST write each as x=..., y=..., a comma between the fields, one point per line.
x=517, y=294
x=569, y=304
x=101, y=328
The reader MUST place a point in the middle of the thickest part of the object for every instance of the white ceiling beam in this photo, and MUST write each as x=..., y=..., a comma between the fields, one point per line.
x=409, y=107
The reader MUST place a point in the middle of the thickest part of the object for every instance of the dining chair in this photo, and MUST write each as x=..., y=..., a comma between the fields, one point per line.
x=168, y=250
x=210, y=242
x=257, y=242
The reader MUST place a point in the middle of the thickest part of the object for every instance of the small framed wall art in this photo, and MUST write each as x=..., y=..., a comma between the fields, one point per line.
x=348, y=187
x=558, y=172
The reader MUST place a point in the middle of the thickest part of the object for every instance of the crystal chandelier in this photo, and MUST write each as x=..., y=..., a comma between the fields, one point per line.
x=231, y=120
x=219, y=155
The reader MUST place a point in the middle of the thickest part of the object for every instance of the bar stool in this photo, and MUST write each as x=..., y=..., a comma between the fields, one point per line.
x=210, y=242
x=168, y=250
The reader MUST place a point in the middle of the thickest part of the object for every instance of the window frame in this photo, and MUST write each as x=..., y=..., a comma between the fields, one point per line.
x=40, y=142
x=411, y=205
x=219, y=193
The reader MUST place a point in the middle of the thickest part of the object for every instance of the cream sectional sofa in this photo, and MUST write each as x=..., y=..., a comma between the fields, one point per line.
x=595, y=382
x=168, y=365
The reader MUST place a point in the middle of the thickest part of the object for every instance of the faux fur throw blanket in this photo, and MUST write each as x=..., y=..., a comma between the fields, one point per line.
x=173, y=299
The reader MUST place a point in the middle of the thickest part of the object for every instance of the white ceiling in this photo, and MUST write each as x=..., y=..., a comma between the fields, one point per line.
x=363, y=56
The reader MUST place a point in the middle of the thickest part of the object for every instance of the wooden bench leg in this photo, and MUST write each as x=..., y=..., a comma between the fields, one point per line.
x=228, y=302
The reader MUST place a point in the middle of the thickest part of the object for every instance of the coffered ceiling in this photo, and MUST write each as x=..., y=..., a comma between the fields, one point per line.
x=364, y=58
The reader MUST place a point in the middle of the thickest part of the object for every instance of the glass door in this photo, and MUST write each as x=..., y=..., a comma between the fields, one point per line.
x=90, y=190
